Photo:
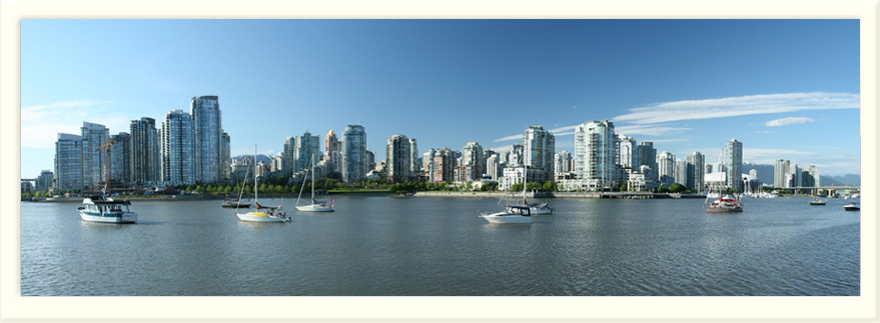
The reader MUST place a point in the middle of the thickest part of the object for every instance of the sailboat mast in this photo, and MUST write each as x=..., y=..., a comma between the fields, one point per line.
x=313, y=178
x=255, y=176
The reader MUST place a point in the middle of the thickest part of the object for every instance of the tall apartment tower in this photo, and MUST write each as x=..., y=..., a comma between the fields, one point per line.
x=332, y=150
x=733, y=160
x=305, y=147
x=696, y=167
x=120, y=157
x=354, y=163
x=443, y=166
x=225, y=156
x=595, y=153
x=810, y=176
x=208, y=132
x=427, y=159
x=779, y=173
x=666, y=168
x=793, y=176
x=627, y=151
x=399, y=159
x=648, y=156
x=493, y=166
x=414, y=165
x=562, y=162
x=473, y=163
x=144, y=150
x=681, y=174
x=540, y=149
x=177, y=151
x=94, y=136
x=68, y=163
x=44, y=181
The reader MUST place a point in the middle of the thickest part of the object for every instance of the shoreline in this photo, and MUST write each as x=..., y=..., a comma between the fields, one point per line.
x=587, y=195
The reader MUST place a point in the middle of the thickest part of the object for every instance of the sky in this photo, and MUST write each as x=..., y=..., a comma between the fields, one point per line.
x=787, y=89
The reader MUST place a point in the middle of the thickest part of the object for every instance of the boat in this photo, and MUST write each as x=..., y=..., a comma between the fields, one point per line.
x=316, y=206
x=272, y=214
x=817, y=201
x=852, y=206
x=234, y=203
x=724, y=203
x=106, y=210
x=534, y=208
x=512, y=214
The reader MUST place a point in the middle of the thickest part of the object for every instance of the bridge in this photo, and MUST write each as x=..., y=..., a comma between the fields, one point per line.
x=815, y=190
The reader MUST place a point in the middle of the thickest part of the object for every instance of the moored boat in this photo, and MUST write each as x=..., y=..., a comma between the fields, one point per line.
x=106, y=210
x=817, y=201
x=534, y=208
x=853, y=206
x=235, y=203
x=316, y=206
x=272, y=214
x=513, y=214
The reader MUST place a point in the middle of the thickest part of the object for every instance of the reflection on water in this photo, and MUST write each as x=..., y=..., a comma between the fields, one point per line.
x=439, y=246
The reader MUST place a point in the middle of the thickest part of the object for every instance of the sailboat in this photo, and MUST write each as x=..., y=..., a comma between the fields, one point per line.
x=534, y=208
x=316, y=206
x=724, y=203
x=512, y=213
x=272, y=214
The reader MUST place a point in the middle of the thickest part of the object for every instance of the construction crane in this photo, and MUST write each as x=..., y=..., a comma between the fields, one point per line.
x=107, y=162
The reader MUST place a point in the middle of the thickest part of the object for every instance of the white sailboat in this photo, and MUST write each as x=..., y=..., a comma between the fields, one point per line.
x=534, y=208
x=316, y=206
x=272, y=214
x=511, y=213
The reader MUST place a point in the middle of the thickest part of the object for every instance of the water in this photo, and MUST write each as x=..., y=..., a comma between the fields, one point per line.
x=439, y=246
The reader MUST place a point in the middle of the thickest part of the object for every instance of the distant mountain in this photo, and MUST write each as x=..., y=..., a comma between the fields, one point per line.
x=848, y=179
x=260, y=158
x=829, y=181
x=765, y=172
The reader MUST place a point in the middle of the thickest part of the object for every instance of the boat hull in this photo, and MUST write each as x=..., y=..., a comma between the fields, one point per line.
x=504, y=217
x=259, y=217
x=851, y=208
x=315, y=208
x=724, y=209
x=124, y=217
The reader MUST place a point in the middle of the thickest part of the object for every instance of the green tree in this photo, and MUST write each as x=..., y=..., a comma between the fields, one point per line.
x=623, y=188
x=549, y=186
x=516, y=187
x=662, y=189
x=200, y=189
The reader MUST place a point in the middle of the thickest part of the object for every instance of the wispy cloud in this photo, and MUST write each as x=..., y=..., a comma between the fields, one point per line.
x=649, y=130
x=788, y=121
x=40, y=124
x=739, y=106
x=514, y=137
x=760, y=131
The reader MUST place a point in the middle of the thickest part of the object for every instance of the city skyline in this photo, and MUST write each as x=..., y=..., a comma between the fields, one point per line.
x=770, y=84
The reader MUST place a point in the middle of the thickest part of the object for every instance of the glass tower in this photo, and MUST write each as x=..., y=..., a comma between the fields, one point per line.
x=207, y=133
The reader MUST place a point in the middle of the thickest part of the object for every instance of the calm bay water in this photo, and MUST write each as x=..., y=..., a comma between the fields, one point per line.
x=438, y=246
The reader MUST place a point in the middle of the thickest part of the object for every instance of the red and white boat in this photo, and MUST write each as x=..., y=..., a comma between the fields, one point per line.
x=725, y=203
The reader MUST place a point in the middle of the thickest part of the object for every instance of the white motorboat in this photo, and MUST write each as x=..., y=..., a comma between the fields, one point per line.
x=272, y=214
x=316, y=206
x=853, y=206
x=235, y=203
x=513, y=214
x=106, y=210
x=723, y=203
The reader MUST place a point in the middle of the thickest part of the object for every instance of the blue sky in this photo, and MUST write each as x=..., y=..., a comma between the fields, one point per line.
x=786, y=89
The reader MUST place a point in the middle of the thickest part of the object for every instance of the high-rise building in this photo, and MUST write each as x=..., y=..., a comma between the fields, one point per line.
x=427, y=159
x=666, y=168
x=177, y=150
x=472, y=166
x=44, y=181
x=627, y=151
x=733, y=161
x=332, y=150
x=793, y=176
x=414, y=165
x=94, y=136
x=208, y=132
x=225, y=156
x=68, y=163
x=695, y=171
x=648, y=156
x=493, y=167
x=355, y=163
x=562, y=162
x=305, y=147
x=120, y=157
x=442, y=166
x=540, y=149
x=399, y=163
x=780, y=178
x=681, y=172
x=809, y=177
x=144, y=151
x=595, y=154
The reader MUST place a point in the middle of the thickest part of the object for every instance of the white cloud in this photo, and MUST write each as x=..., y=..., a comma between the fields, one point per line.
x=514, y=137
x=739, y=106
x=40, y=124
x=788, y=121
